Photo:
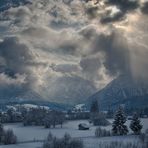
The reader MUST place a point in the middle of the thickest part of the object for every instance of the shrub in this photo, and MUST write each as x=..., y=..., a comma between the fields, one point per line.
x=75, y=143
x=117, y=144
x=65, y=142
x=144, y=138
x=1, y=133
x=99, y=119
x=9, y=137
x=48, y=141
x=102, y=132
x=101, y=122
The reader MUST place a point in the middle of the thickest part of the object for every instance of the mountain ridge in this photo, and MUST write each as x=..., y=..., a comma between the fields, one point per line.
x=122, y=90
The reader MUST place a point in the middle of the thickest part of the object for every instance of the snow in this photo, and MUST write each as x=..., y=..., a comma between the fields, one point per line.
x=11, y=107
x=92, y=142
x=24, y=145
x=89, y=142
x=31, y=133
x=40, y=133
x=71, y=127
x=45, y=107
x=79, y=106
x=29, y=106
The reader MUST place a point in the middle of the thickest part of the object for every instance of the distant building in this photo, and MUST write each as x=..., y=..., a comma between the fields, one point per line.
x=79, y=108
x=83, y=126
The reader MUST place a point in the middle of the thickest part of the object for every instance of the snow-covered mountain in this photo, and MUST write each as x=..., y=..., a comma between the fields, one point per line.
x=31, y=98
x=70, y=90
x=122, y=90
x=20, y=97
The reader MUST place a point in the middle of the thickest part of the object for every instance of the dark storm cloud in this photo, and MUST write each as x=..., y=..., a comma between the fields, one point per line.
x=125, y=6
x=86, y=63
x=144, y=8
x=116, y=52
x=113, y=46
x=12, y=69
x=67, y=1
x=91, y=72
x=107, y=18
x=11, y=86
x=88, y=33
x=16, y=68
x=15, y=54
x=67, y=48
x=58, y=24
x=6, y=4
x=92, y=11
x=107, y=48
x=18, y=61
x=65, y=68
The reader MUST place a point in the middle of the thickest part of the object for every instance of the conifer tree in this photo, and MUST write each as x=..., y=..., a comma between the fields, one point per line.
x=1, y=131
x=135, y=125
x=94, y=107
x=119, y=127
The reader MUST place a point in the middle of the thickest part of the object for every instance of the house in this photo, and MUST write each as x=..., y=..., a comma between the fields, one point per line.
x=130, y=117
x=83, y=126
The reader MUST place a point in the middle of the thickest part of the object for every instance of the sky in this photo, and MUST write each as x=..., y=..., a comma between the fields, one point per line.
x=66, y=50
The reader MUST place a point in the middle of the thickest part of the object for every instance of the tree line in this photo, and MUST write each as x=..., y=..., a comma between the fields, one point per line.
x=43, y=117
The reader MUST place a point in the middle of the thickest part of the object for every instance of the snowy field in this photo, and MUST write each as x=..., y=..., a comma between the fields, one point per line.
x=26, y=145
x=33, y=133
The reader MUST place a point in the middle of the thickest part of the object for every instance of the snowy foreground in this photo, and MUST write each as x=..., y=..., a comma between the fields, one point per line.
x=32, y=136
